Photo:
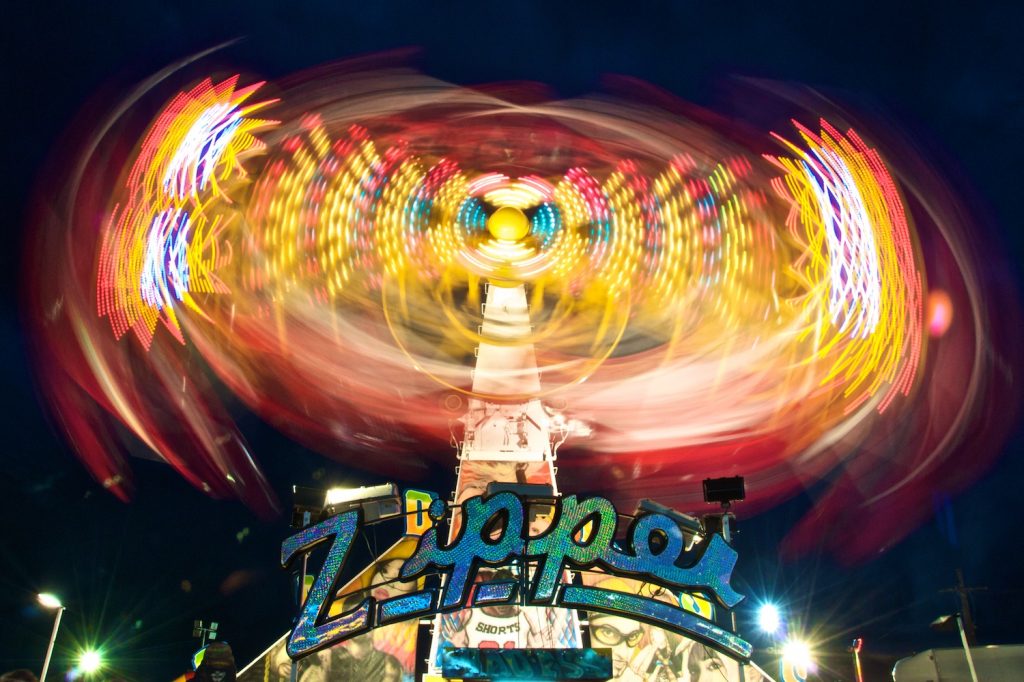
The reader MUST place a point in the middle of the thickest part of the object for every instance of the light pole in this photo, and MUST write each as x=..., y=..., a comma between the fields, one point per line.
x=50, y=601
x=944, y=623
x=855, y=648
x=967, y=647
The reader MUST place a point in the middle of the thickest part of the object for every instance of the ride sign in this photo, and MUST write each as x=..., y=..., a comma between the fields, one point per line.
x=494, y=532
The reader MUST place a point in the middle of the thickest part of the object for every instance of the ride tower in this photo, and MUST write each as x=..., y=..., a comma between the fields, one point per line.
x=510, y=440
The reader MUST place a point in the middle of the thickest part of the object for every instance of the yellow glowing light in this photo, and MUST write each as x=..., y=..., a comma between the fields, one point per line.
x=798, y=653
x=508, y=223
x=90, y=661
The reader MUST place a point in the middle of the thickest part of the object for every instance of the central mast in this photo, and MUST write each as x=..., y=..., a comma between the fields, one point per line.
x=507, y=439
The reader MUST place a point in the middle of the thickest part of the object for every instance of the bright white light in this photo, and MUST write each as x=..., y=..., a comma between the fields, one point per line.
x=90, y=661
x=768, y=618
x=48, y=600
x=339, y=496
x=798, y=653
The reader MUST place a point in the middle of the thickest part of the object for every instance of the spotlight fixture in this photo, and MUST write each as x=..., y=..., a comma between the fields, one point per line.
x=724, y=491
x=768, y=618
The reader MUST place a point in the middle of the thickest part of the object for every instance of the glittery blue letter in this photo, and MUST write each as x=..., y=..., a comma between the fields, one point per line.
x=474, y=545
x=307, y=635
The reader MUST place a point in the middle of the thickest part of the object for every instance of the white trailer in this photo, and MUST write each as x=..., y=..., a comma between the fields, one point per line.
x=992, y=663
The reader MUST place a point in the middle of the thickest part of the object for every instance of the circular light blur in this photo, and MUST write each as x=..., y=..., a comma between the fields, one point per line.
x=90, y=661
x=768, y=618
x=940, y=313
x=508, y=223
x=50, y=601
x=797, y=652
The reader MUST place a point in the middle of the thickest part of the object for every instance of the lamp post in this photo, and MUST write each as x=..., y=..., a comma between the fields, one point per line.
x=50, y=601
x=948, y=622
x=725, y=491
x=855, y=648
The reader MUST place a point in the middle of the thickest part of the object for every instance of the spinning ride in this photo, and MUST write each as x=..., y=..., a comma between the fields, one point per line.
x=677, y=295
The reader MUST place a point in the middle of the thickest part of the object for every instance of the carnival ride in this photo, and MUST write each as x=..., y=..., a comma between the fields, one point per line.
x=372, y=261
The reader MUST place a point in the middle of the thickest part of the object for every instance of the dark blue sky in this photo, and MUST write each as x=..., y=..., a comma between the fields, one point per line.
x=951, y=75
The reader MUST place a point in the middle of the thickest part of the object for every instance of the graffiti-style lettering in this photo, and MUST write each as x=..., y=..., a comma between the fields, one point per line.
x=308, y=636
x=494, y=532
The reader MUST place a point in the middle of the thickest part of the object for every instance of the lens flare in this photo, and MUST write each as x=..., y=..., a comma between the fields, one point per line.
x=940, y=312
x=90, y=661
x=769, y=619
x=798, y=653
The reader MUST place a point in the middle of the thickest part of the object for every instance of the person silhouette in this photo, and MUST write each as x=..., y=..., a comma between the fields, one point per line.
x=218, y=664
x=20, y=675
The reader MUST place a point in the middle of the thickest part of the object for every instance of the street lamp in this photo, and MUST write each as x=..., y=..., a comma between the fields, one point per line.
x=949, y=622
x=855, y=648
x=50, y=601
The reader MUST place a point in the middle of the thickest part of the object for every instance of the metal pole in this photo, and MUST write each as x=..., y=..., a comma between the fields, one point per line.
x=53, y=638
x=965, y=608
x=967, y=648
x=727, y=536
x=732, y=618
x=306, y=518
x=855, y=647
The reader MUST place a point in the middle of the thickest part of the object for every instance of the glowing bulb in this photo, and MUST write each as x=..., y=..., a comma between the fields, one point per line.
x=768, y=618
x=940, y=312
x=90, y=661
x=798, y=653
x=508, y=223
x=50, y=601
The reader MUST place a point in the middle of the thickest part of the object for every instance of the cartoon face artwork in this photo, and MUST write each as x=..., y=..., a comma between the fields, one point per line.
x=623, y=636
x=356, y=659
x=647, y=653
x=701, y=663
x=474, y=477
x=704, y=663
x=386, y=651
x=384, y=583
x=310, y=669
x=361, y=660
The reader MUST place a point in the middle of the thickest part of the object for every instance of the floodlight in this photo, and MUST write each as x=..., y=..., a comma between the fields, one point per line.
x=797, y=652
x=690, y=524
x=724, y=490
x=531, y=491
x=768, y=618
x=338, y=497
x=377, y=501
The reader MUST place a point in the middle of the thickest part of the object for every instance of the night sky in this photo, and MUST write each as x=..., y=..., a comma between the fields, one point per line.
x=135, y=576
